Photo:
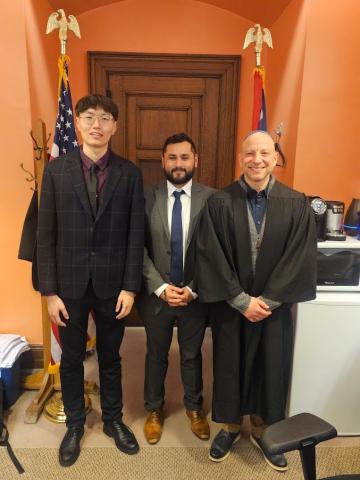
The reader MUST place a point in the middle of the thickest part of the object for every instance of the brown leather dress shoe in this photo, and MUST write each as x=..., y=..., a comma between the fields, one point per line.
x=199, y=424
x=153, y=426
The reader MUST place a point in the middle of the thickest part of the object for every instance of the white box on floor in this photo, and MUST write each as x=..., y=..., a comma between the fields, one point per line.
x=326, y=365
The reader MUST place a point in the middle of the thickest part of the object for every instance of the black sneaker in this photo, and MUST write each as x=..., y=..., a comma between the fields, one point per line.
x=277, y=462
x=124, y=438
x=221, y=445
x=70, y=446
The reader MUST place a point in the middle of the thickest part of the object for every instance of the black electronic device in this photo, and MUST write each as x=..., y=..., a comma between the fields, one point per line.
x=319, y=207
x=335, y=220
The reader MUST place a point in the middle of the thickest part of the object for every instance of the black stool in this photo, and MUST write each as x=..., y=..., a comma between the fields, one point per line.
x=301, y=432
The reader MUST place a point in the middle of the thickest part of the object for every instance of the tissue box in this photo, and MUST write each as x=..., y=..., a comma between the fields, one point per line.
x=12, y=383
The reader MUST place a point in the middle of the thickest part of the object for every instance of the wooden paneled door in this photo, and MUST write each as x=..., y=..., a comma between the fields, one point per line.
x=159, y=95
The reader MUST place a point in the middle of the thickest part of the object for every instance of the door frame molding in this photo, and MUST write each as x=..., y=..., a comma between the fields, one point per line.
x=224, y=67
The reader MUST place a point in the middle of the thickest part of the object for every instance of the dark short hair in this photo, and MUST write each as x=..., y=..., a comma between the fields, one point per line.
x=179, y=138
x=94, y=101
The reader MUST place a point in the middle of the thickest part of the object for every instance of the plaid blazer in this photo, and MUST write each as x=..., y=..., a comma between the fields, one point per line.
x=73, y=247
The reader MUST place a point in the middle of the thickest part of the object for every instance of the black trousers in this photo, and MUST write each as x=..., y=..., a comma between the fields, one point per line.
x=191, y=323
x=109, y=335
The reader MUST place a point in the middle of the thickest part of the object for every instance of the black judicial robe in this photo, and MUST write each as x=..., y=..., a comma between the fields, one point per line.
x=252, y=360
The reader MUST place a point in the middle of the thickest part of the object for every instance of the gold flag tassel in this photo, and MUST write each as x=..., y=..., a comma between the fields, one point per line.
x=63, y=61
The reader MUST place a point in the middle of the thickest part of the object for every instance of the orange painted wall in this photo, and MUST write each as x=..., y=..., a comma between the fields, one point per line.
x=19, y=305
x=327, y=157
x=29, y=86
x=284, y=80
x=168, y=27
x=312, y=85
x=42, y=52
x=171, y=27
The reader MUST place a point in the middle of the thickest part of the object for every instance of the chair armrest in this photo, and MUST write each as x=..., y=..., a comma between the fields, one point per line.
x=291, y=433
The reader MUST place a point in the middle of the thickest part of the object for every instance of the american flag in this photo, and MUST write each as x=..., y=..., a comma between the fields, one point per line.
x=259, y=104
x=64, y=142
x=64, y=133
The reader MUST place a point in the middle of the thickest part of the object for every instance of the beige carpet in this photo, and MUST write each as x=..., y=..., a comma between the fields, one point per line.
x=168, y=463
x=179, y=455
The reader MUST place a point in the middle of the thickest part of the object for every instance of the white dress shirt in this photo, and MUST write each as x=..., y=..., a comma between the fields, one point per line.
x=185, y=218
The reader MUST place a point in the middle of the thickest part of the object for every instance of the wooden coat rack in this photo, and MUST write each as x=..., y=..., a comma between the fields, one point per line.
x=42, y=380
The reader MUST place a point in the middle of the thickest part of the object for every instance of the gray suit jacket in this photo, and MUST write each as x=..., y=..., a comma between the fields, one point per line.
x=157, y=254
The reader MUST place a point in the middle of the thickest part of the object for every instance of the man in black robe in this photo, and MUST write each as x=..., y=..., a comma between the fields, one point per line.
x=256, y=257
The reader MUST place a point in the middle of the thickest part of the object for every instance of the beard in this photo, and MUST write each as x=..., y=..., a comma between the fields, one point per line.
x=188, y=175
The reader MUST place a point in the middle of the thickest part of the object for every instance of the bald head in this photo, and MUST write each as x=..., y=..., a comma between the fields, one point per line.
x=258, y=132
x=258, y=158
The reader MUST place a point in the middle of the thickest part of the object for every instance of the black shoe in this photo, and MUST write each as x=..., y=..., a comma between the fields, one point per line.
x=277, y=462
x=221, y=445
x=124, y=438
x=70, y=446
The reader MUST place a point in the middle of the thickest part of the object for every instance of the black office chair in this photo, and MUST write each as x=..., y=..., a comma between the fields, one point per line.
x=301, y=432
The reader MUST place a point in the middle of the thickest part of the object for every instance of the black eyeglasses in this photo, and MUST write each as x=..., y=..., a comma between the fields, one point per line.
x=103, y=119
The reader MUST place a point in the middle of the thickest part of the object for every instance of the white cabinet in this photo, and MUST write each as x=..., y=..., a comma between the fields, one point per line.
x=326, y=364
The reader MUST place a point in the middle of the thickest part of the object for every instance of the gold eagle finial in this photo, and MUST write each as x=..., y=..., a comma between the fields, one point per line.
x=63, y=24
x=258, y=35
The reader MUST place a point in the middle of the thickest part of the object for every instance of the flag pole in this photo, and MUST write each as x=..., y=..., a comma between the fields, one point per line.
x=64, y=141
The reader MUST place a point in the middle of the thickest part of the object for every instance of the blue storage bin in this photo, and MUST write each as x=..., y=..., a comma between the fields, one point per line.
x=12, y=383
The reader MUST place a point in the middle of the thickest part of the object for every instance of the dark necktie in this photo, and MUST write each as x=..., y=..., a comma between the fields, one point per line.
x=92, y=187
x=176, y=266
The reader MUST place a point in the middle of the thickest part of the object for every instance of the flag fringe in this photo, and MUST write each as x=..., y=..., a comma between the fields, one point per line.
x=53, y=368
x=261, y=72
x=91, y=343
x=63, y=60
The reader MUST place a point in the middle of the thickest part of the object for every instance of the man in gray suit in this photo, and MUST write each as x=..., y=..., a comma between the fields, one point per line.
x=172, y=211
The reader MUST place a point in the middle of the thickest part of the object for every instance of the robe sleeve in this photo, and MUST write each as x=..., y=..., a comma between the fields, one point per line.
x=294, y=277
x=241, y=302
x=215, y=278
x=272, y=304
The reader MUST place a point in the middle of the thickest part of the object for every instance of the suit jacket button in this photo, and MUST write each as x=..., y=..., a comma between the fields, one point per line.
x=92, y=254
x=91, y=229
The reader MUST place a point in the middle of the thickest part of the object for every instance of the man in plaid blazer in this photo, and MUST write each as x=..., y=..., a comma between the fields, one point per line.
x=90, y=254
